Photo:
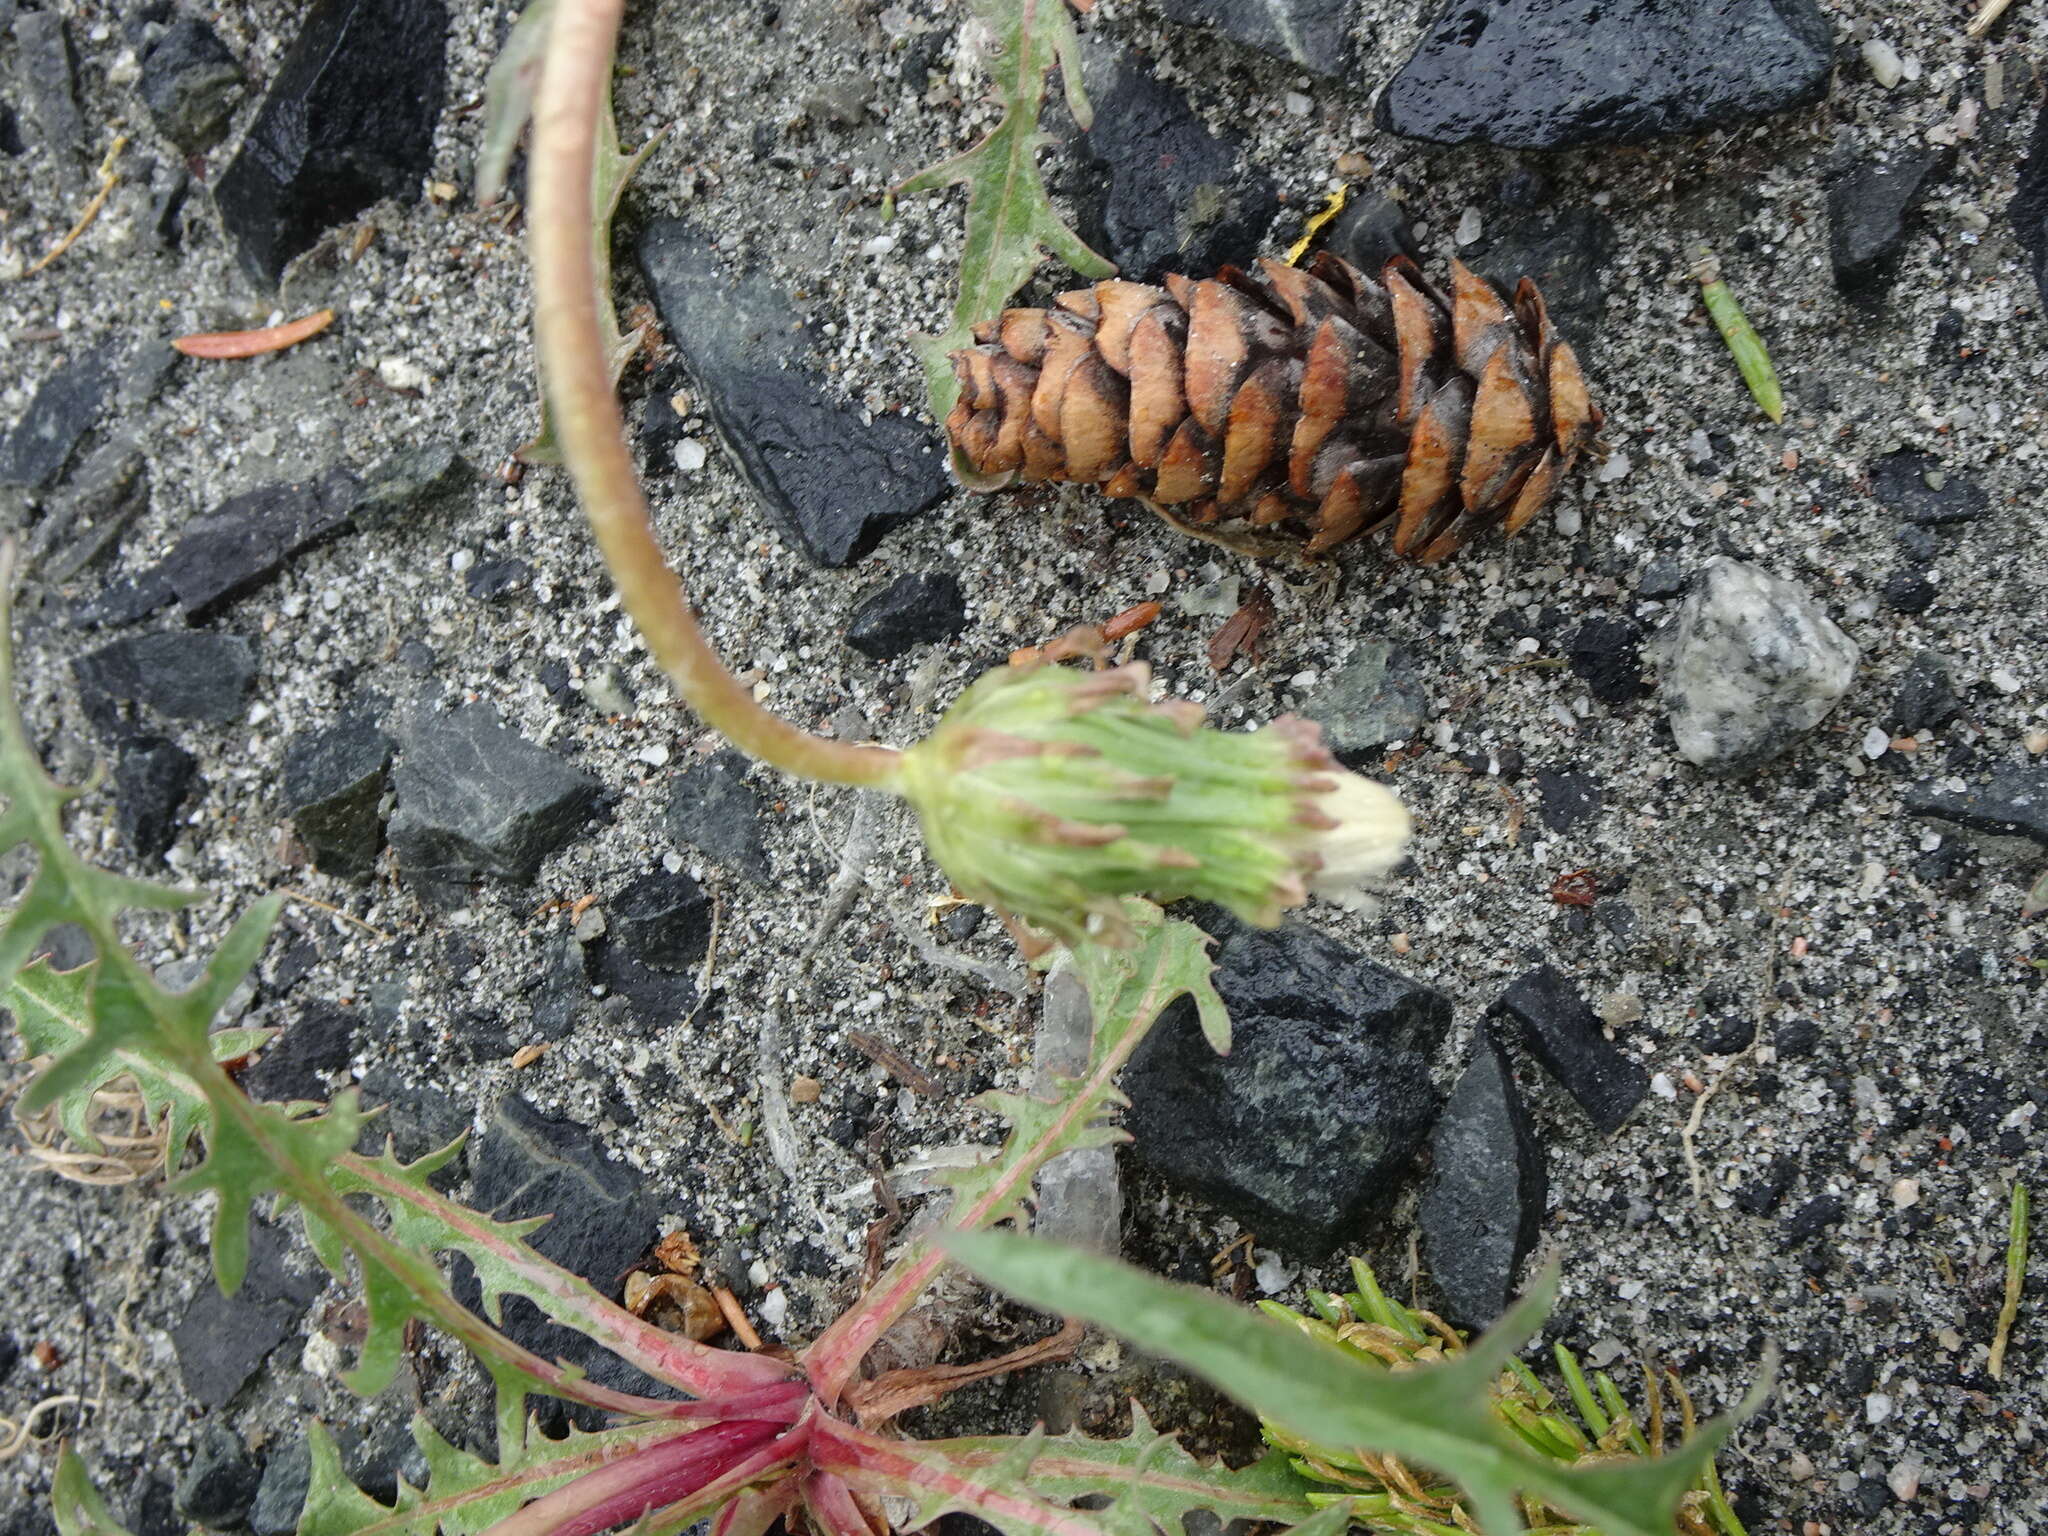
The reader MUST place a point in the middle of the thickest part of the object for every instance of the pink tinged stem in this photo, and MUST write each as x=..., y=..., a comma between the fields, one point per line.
x=833, y=1509
x=643, y=1481
x=753, y=1511
x=574, y=78
x=882, y=1465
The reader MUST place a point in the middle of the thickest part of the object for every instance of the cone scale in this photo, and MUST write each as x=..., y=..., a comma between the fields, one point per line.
x=1313, y=404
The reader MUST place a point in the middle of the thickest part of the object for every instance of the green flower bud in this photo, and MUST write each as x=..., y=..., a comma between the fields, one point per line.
x=1049, y=793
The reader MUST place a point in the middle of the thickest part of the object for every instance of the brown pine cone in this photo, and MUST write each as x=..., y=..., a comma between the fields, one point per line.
x=1313, y=401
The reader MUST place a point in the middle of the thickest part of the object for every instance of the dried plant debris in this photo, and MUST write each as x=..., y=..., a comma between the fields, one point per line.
x=1287, y=406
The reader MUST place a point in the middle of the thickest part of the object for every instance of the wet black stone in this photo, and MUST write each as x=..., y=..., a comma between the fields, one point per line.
x=1483, y=1206
x=1796, y=1039
x=2013, y=803
x=1873, y=1496
x=62, y=410
x=222, y=1340
x=1565, y=1035
x=1607, y=655
x=298, y=1062
x=491, y=580
x=417, y=657
x=921, y=608
x=182, y=674
x=388, y=1454
x=1313, y=34
x=561, y=990
x=10, y=1356
x=11, y=141
x=1376, y=698
x=1563, y=253
x=835, y=481
x=1305, y=1127
x=653, y=995
x=964, y=922
x=1812, y=1219
x=415, y=1120
x=190, y=83
x=1370, y=231
x=1900, y=481
x=661, y=429
x=1766, y=1192
x=1566, y=798
x=1663, y=577
x=152, y=778
x=413, y=478
x=1554, y=74
x=282, y=1493
x=476, y=799
x=153, y=1510
x=529, y=1164
x=333, y=781
x=1725, y=1035
x=234, y=550
x=1908, y=592
x=348, y=121
x=1153, y=189
x=2028, y=209
x=663, y=919
x=46, y=74
x=1926, y=698
x=220, y=1484
x=1869, y=207
x=713, y=809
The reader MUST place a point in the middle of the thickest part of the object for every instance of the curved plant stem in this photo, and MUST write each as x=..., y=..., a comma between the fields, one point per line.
x=574, y=76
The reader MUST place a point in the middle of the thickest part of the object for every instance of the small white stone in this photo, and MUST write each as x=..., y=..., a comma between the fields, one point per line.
x=1298, y=105
x=774, y=1309
x=1876, y=742
x=1906, y=1192
x=1616, y=465
x=401, y=373
x=1157, y=583
x=461, y=561
x=1904, y=1480
x=1629, y=1290
x=655, y=756
x=881, y=245
x=1569, y=520
x=1877, y=1407
x=689, y=455
x=2004, y=681
x=1662, y=1086
x=1272, y=1275
x=1470, y=227
x=1882, y=60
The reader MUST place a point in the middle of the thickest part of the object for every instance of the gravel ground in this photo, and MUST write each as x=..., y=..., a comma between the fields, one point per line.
x=1800, y=891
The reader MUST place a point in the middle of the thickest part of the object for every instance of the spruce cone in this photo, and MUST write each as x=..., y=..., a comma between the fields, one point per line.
x=1315, y=402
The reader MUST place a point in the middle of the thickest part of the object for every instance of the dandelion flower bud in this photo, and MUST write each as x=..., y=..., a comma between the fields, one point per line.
x=1049, y=794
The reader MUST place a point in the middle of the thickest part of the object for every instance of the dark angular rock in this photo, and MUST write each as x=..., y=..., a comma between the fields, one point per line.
x=388, y=1454
x=1766, y=1192
x=491, y=580
x=1663, y=577
x=1921, y=490
x=476, y=799
x=348, y=121
x=1483, y=1206
x=713, y=809
x=1813, y=1218
x=1563, y=253
x=655, y=996
x=222, y=1340
x=964, y=922
x=191, y=83
x=1724, y=1036
x=62, y=410
x=233, y=551
x=417, y=657
x=1607, y=654
x=561, y=992
x=10, y=1356
x=1370, y=231
x=87, y=516
x=1908, y=592
x=1303, y=1129
x=1565, y=1035
x=1869, y=206
x=152, y=778
x=663, y=919
x=12, y=144
x=921, y=608
x=1556, y=74
x=2028, y=209
x=1566, y=798
x=333, y=782
x=1312, y=34
x=182, y=674
x=1376, y=698
x=297, y=1063
x=153, y=1510
x=409, y=480
x=46, y=74
x=835, y=480
x=1796, y=1039
x=1926, y=698
x=282, y=1493
x=220, y=1484
x=2014, y=803
x=1156, y=191
x=527, y=1164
